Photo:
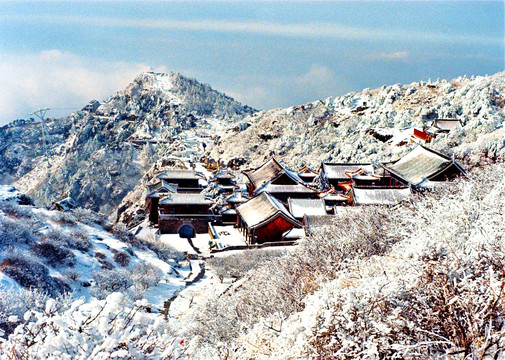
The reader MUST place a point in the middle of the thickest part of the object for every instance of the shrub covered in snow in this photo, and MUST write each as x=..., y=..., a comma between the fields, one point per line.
x=14, y=303
x=133, y=281
x=237, y=265
x=88, y=217
x=30, y=273
x=101, y=329
x=15, y=210
x=121, y=258
x=14, y=232
x=54, y=255
x=64, y=218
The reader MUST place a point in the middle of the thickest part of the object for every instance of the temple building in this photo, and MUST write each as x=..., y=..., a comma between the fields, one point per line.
x=424, y=168
x=264, y=219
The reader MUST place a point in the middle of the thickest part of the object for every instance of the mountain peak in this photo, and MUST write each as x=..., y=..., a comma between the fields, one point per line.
x=166, y=91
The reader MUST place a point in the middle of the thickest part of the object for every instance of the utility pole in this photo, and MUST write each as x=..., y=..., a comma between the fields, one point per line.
x=41, y=114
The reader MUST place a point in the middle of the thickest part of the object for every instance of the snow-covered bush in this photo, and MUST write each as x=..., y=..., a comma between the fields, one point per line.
x=438, y=293
x=30, y=273
x=14, y=303
x=88, y=217
x=14, y=232
x=120, y=231
x=65, y=218
x=54, y=254
x=14, y=210
x=121, y=258
x=164, y=251
x=102, y=329
x=133, y=281
x=237, y=265
x=74, y=239
x=79, y=240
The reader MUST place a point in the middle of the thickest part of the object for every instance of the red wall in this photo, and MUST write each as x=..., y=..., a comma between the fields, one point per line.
x=273, y=231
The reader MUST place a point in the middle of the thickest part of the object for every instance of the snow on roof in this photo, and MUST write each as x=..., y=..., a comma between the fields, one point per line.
x=160, y=187
x=237, y=197
x=262, y=208
x=185, y=199
x=338, y=171
x=301, y=207
x=268, y=172
x=224, y=174
x=178, y=174
x=285, y=189
x=334, y=197
x=446, y=124
x=420, y=164
x=380, y=196
x=294, y=234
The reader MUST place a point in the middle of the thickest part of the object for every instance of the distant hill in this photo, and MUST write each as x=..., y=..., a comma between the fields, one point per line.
x=375, y=125
x=97, y=155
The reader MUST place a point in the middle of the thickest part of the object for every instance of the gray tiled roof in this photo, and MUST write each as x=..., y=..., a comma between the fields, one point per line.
x=380, y=196
x=285, y=189
x=420, y=164
x=185, y=199
x=301, y=207
x=269, y=171
x=178, y=174
x=338, y=171
x=262, y=208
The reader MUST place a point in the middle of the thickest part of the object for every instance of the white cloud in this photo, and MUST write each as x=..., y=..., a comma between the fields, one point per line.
x=267, y=92
x=300, y=30
x=391, y=56
x=57, y=79
x=316, y=76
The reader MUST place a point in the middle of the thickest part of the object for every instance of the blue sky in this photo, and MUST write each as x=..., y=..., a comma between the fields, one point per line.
x=265, y=54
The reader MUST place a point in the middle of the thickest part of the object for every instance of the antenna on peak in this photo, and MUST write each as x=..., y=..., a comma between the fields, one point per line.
x=41, y=114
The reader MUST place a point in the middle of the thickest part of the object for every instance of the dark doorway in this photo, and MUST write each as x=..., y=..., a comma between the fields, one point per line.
x=187, y=232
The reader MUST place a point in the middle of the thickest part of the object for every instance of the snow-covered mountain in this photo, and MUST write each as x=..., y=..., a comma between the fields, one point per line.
x=97, y=155
x=375, y=125
x=423, y=279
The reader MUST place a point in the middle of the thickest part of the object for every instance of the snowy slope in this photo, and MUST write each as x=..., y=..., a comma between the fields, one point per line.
x=79, y=252
x=349, y=127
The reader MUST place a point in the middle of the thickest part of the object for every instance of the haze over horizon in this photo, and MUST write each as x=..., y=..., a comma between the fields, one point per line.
x=264, y=54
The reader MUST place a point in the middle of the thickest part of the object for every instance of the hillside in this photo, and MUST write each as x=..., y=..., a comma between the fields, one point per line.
x=375, y=125
x=419, y=279
x=98, y=154
x=423, y=279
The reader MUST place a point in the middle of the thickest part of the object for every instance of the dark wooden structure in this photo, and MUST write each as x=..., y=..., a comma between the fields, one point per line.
x=186, y=180
x=264, y=219
x=178, y=211
x=272, y=173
